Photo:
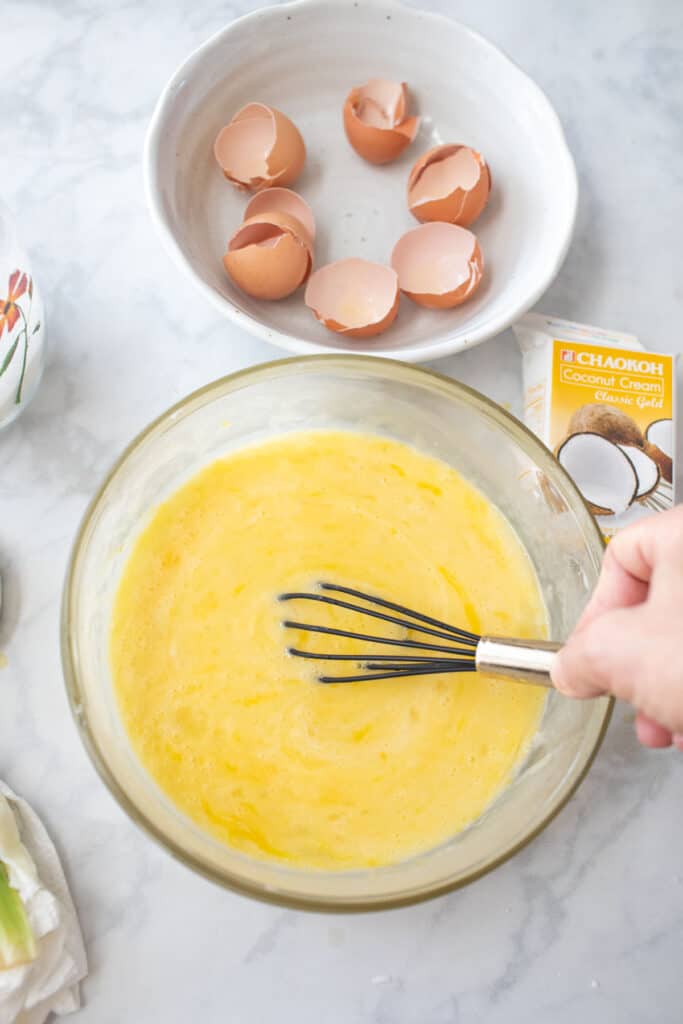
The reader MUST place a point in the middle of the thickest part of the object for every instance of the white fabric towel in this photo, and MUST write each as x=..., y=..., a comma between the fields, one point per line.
x=29, y=993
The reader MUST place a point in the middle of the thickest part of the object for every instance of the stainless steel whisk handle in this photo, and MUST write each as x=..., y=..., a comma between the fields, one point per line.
x=529, y=661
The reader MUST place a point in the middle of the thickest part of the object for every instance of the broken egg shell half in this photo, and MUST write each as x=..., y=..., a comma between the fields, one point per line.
x=269, y=256
x=647, y=470
x=601, y=470
x=260, y=148
x=354, y=297
x=450, y=183
x=438, y=265
x=375, y=121
x=282, y=200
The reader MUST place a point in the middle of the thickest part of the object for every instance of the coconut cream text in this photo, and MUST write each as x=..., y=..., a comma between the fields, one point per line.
x=623, y=383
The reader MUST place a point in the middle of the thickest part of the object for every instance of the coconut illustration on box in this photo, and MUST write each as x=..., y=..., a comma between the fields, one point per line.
x=606, y=407
x=622, y=471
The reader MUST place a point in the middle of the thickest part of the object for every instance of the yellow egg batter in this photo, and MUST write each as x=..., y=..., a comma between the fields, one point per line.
x=238, y=733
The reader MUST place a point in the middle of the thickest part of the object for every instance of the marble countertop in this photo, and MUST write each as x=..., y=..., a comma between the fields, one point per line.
x=585, y=924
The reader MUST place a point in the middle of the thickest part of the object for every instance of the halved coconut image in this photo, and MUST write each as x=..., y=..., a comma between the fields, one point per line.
x=661, y=433
x=601, y=470
x=647, y=470
x=649, y=454
x=659, y=444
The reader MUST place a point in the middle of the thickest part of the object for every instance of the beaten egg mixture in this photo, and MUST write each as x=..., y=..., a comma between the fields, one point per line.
x=238, y=733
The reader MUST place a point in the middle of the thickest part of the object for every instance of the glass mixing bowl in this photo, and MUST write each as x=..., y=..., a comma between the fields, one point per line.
x=440, y=417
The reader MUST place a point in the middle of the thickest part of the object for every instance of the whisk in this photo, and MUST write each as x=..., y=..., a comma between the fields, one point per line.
x=527, y=661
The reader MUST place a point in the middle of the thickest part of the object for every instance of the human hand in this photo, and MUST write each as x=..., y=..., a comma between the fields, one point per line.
x=629, y=640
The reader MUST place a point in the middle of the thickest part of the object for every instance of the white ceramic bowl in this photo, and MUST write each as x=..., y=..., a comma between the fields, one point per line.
x=303, y=58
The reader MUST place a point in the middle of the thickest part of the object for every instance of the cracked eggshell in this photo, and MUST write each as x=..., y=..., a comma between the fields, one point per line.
x=438, y=265
x=354, y=297
x=260, y=148
x=283, y=200
x=450, y=183
x=602, y=472
x=375, y=121
x=269, y=256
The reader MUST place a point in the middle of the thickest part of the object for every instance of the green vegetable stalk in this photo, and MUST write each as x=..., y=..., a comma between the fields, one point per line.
x=17, y=944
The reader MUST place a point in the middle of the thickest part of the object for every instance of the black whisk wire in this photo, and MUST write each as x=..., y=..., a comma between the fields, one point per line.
x=461, y=650
x=402, y=658
x=462, y=634
x=443, y=634
x=425, y=670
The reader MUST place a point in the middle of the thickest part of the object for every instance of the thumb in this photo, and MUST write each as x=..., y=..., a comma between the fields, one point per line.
x=606, y=656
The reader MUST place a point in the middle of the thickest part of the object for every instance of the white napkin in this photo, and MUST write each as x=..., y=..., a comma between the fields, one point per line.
x=29, y=993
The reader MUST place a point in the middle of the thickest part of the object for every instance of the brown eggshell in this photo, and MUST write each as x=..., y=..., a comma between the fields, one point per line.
x=374, y=120
x=449, y=183
x=269, y=256
x=438, y=265
x=282, y=200
x=354, y=297
x=260, y=148
x=250, y=229
x=241, y=153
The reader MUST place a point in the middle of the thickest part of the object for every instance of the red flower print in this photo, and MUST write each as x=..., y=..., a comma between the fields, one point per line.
x=9, y=311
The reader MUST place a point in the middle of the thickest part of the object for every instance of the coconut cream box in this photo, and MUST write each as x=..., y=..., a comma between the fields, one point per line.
x=606, y=407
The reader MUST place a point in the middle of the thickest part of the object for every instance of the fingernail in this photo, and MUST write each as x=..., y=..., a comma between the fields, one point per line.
x=678, y=741
x=651, y=733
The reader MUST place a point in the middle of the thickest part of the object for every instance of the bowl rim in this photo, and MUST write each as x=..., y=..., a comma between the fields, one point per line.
x=411, y=353
x=233, y=881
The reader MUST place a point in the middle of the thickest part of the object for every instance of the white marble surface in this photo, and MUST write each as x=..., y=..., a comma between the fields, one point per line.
x=587, y=923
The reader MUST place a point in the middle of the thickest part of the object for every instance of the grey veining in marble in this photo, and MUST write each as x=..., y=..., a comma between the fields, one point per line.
x=586, y=924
